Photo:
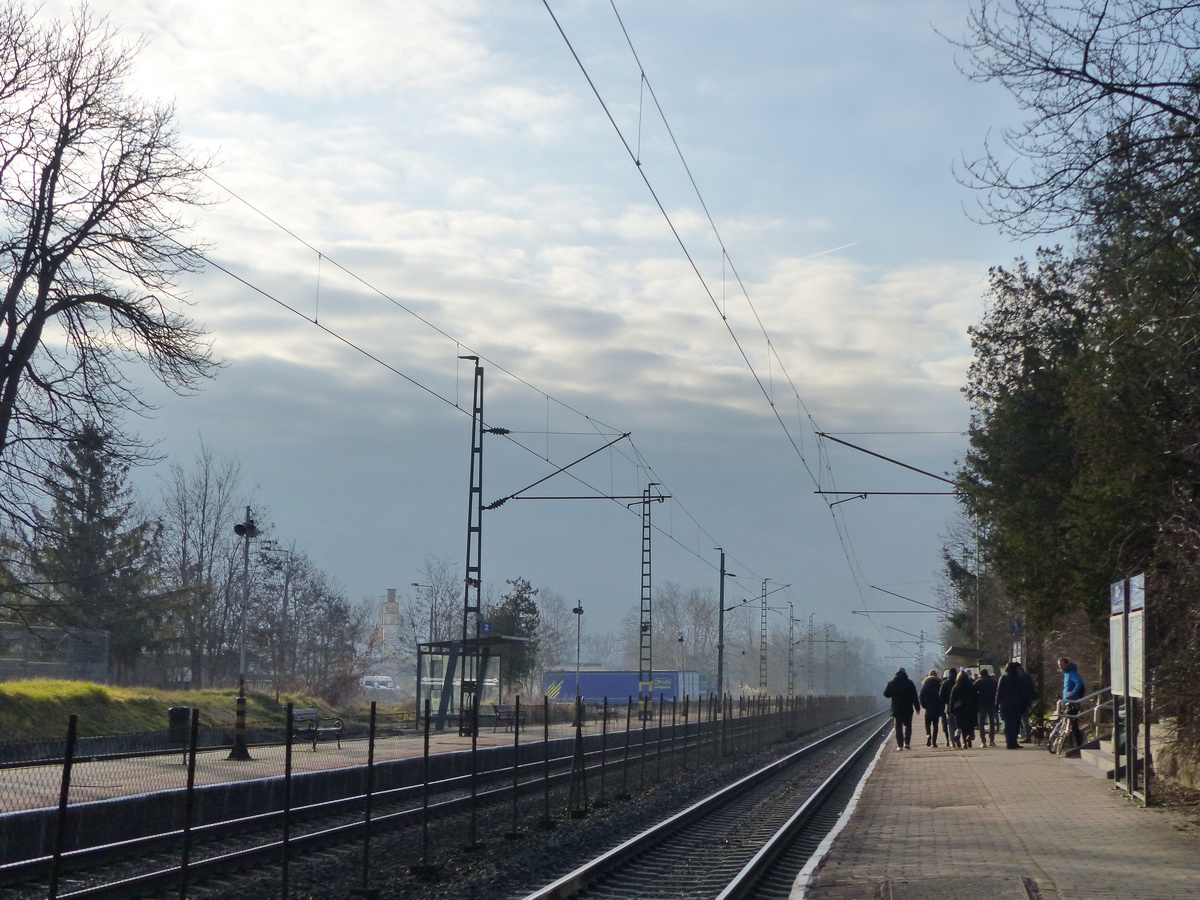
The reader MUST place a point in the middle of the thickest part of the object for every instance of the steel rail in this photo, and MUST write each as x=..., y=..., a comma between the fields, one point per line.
x=589, y=873
x=531, y=779
x=743, y=883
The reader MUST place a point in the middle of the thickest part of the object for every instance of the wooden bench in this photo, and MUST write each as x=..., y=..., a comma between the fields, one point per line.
x=309, y=725
x=506, y=716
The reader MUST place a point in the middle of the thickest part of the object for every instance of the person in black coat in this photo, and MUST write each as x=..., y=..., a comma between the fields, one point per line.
x=964, y=707
x=930, y=699
x=1012, y=700
x=903, y=694
x=952, y=736
x=985, y=705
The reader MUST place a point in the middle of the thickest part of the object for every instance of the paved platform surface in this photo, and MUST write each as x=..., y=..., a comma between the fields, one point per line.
x=995, y=824
x=36, y=787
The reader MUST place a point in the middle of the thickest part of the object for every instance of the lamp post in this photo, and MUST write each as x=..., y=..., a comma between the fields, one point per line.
x=240, y=751
x=578, y=610
x=432, y=605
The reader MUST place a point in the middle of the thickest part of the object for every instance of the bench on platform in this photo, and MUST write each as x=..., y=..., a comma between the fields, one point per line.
x=506, y=717
x=309, y=725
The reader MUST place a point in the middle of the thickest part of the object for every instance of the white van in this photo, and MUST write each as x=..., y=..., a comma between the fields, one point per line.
x=378, y=682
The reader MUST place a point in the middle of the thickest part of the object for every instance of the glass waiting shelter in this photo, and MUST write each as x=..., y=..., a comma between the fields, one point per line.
x=441, y=667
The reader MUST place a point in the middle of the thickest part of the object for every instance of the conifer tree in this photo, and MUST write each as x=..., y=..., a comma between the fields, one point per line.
x=95, y=556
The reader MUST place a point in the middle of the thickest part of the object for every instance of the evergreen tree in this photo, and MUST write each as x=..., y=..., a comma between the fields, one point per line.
x=98, y=558
x=516, y=615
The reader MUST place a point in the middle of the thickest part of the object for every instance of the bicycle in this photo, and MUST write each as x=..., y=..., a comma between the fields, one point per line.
x=1063, y=738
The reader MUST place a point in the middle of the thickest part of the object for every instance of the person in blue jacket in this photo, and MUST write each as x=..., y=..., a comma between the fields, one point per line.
x=1073, y=690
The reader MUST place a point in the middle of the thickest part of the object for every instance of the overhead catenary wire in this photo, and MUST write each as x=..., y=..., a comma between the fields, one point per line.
x=773, y=358
x=599, y=428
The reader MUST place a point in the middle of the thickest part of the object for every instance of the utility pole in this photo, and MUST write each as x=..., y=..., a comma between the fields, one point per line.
x=721, y=629
x=469, y=687
x=646, y=629
x=791, y=650
x=762, y=643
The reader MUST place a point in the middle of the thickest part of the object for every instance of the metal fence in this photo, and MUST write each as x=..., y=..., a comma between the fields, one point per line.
x=78, y=798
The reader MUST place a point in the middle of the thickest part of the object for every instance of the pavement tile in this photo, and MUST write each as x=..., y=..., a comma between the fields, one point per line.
x=993, y=824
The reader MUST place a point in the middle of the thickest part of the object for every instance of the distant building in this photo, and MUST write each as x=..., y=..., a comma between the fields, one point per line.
x=388, y=657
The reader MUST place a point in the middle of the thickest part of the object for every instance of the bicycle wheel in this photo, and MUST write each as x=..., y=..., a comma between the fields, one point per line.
x=1057, y=735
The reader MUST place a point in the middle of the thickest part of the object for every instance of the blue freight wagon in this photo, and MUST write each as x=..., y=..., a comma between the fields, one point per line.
x=594, y=686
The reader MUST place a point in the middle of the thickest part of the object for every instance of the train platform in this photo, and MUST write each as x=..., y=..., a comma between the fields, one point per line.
x=994, y=824
x=37, y=787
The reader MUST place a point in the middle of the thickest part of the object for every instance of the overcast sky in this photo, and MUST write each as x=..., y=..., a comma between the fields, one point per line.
x=433, y=178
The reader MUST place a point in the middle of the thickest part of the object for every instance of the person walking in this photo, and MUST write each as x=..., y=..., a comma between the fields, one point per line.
x=1030, y=696
x=951, y=726
x=903, y=694
x=931, y=702
x=964, y=707
x=1010, y=698
x=985, y=694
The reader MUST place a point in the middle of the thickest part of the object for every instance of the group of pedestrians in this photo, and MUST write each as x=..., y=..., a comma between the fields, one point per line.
x=958, y=706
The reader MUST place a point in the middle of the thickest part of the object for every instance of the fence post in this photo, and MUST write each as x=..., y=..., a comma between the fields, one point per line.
x=189, y=802
x=287, y=802
x=63, y=795
x=686, y=700
x=547, y=823
x=424, y=869
x=366, y=863
x=624, y=795
x=600, y=801
x=514, y=832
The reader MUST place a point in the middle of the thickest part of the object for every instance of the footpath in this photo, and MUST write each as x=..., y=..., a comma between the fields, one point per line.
x=997, y=824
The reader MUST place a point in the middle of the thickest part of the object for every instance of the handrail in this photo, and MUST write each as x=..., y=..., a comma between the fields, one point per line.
x=1095, y=693
x=1093, y=710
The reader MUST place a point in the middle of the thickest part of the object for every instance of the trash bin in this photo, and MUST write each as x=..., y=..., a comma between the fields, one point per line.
x=178, y=724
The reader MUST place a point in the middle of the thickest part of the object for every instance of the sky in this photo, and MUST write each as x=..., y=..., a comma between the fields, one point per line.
x=719, y=227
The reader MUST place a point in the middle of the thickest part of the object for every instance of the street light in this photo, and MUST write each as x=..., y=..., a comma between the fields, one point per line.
x=432, y=605
x=240, y=751
x=578, y=610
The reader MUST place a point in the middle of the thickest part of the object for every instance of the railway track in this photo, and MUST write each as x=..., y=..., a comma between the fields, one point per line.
x=750, y=838
x=248, y=858
x=154, y=865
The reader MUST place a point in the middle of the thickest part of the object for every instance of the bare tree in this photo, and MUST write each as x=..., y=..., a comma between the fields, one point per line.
x=433, y=609
x=556, y=632
x=1106, y=84
x=91, y=245
x=200, y=560
x=603, y=649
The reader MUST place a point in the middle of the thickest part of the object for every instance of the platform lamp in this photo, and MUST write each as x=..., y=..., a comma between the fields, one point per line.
x=245, y=530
